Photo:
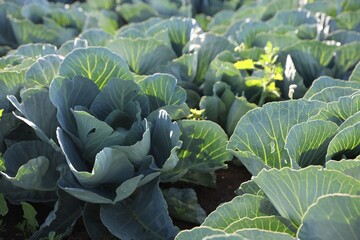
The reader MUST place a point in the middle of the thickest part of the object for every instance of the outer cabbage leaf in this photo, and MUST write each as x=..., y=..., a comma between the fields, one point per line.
x=43, y=70
x=26, y=31
x=262, y=235
x=120, y=97
x=318, y=56
x=245, y=206
x=341, y=221
x=62, y=219
x=180, y=31
x=331, y=94
x=345, y=143
x=183, y=205
x=32, y=165
x=143, y=217
x=339, y=111
x=96, y=63
x=271, y=223
x=207, y=46
x=142, y=55
x=355, y=75
x=198, y=233
x=39, y=113
x=324, y=82
x=95, y=37
x=65, y=94
x=136, y=12
x=292, y=196
x=203, y=149
x=347, y=56
x=260, y=135
x=307, y=142
x=348, y=167
x=94, y=227
x=35, y=50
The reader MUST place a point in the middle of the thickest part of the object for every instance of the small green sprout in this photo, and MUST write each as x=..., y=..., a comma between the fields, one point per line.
x=265, y=72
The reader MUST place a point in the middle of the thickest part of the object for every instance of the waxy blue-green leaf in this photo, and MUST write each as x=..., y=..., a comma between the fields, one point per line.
x=198, y=233
x=271, y=223
x=318, y=56
x=143, y=217
x=26, y=31
x=139, y=28
x=180, y=31
x=348, y=167
x=277, y=40
x=94, y=134
x=344, y=37
x=331, y=94
x=292, y=196
x=352, y=120
x=260, y=234
x=96, y=63
x=248, y=30
x=203, y=149
x=293, y=17
x=345, y=143
x=136, y=12
x=182, y=68
x=165, y=142
x=10, y=83
x=15, y=194
x=32, y=165
x=65, y=94
x=260, y=135
x=307, y=142
x=110, y=166
x=350, y=5
x=355, y=75
x=7, y=34
x=347, y=56
x=93, y=224
x=62, y=218
x=340, y=221
x=70, y=45
x=207, y=46
x=239, y=108
x=137, y=143
x=215, y=109
x=143, y=55
x=99, y=195
x=324, y=82
x=339, y=111
x=348, y=20
x=43, y=70
x=183, y=205
x=35, y=50
x=249, y=187
x=95, y=37
x=40, y=114
x=246, y=205
x=121, y=95
x=161, y=90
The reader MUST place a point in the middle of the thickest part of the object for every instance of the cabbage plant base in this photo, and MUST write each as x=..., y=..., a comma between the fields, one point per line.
x=228, y=181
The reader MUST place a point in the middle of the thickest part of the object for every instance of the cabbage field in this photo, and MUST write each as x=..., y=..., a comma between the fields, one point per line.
x=123, y=119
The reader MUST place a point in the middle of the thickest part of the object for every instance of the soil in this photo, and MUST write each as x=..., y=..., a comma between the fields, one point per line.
x=228, y=180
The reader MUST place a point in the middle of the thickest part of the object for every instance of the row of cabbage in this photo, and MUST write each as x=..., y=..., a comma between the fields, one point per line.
x=98, y=122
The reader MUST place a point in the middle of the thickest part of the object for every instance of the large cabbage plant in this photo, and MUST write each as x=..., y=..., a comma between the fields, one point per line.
x=115, y=139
